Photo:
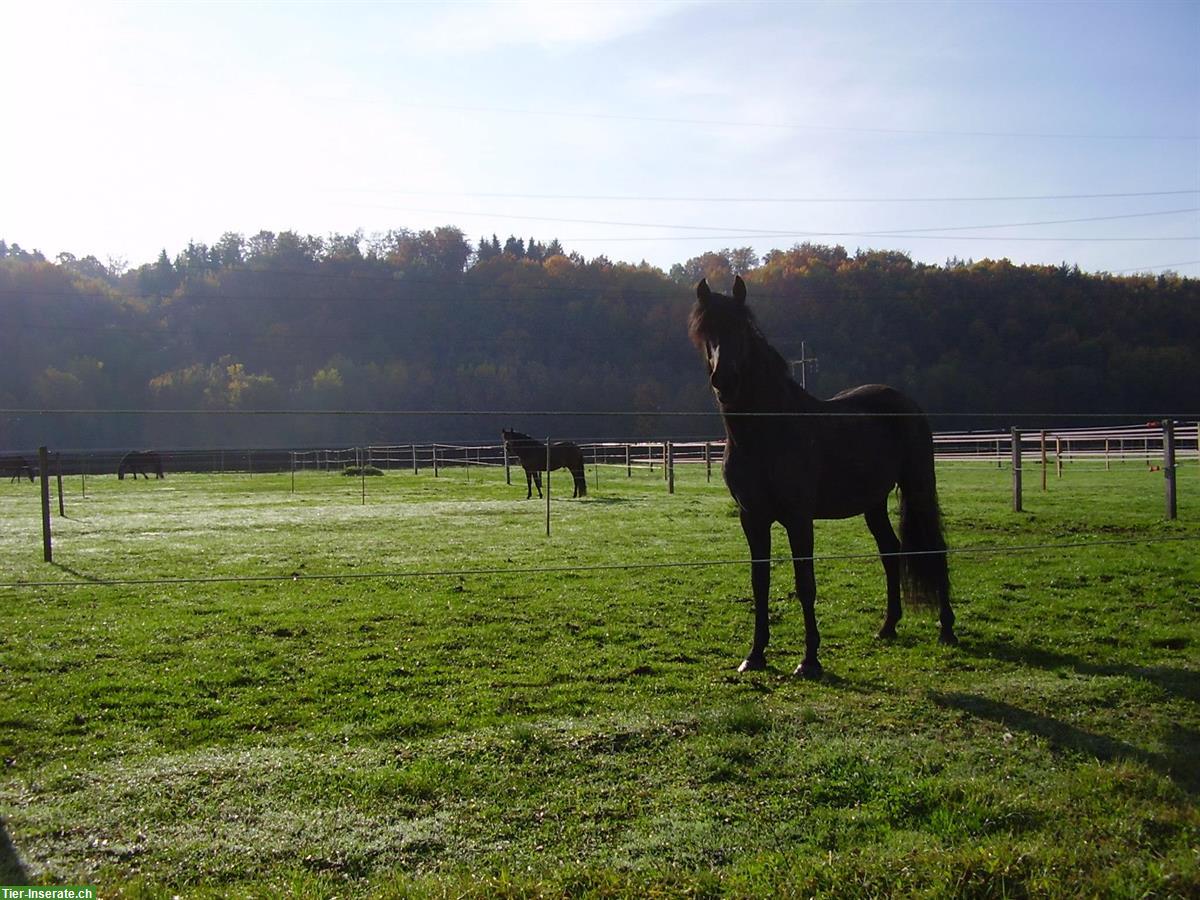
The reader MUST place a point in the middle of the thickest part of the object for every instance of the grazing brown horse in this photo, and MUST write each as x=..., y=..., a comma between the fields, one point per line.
x=791, y=458
x=563, y=454
x=140, y=462
x=16, y=468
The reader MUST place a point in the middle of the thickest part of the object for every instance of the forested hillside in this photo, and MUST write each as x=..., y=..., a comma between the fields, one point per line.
x=430, y=321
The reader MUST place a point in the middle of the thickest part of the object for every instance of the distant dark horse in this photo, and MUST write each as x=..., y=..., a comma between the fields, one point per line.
x=140, y=462
x=563, y=454
x=16, y=468
x=791, y=458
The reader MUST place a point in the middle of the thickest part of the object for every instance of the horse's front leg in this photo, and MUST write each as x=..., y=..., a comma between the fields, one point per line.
x=800, y=536
x=537, y=479
x=528, y=484
x=758, y=537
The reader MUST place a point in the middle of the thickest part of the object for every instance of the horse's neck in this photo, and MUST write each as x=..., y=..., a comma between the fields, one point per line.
x=775, y=394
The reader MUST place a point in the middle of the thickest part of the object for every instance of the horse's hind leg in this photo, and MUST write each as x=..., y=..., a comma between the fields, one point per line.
x=889, y=546
x=537, y=479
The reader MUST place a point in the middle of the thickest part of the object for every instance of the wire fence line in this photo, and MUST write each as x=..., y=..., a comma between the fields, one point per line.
x=1015, y=416
x=1142, y=442
x=1071, y=546
x=1139, y=442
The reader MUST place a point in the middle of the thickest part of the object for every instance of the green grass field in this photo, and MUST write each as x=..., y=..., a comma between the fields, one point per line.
x=348, y=726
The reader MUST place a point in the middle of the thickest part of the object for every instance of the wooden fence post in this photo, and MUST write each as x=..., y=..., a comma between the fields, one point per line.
x=1016, y=469
x=628, y=463
x=44, y=473
x=1168, y=428
x=58, y=479
x=669, y=465
x=1043, y=460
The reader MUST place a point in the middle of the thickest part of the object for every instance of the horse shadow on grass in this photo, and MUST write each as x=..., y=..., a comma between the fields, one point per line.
x=1178, y=682
x=1177, y=762
x=12, y=870
x=1182, y=744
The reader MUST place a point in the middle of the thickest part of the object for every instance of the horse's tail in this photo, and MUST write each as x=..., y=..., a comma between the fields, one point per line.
x=924, y=572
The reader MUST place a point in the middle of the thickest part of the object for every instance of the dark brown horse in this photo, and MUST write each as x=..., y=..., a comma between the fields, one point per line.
x=563, y=454
x=791, y=458
x=140, y=462
x=16, y=468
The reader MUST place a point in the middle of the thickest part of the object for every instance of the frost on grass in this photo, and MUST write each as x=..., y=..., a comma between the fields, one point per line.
x=214, y=815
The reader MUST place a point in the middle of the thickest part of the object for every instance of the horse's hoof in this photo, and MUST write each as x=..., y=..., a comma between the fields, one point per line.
x=887, y=633
x=753, y=663
x=810, y=670
x=948, y=637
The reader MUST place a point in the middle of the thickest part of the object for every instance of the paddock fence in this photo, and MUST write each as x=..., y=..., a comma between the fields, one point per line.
x=1057, y=448
x=1164, y=446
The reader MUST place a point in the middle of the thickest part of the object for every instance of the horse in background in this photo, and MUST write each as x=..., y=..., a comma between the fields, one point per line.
x=563, y=454
x=140, y=462
x=16, y=467
x=791, y=458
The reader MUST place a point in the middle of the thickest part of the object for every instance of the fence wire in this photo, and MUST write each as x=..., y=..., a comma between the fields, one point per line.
x=1071, y=546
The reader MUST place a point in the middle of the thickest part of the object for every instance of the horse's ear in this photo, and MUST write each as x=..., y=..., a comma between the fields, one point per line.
x=703, y=294
x=739, y=289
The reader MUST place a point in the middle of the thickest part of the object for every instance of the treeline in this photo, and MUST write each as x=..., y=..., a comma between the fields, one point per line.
x=429, y=321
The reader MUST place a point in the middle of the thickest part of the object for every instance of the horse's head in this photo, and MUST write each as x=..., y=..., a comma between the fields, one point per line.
x=723, y=329
x=509, y=436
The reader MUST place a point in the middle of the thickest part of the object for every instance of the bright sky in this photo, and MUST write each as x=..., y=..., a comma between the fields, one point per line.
x=1038, y=131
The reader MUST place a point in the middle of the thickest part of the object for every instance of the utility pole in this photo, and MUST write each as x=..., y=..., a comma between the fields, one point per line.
x=803, y=362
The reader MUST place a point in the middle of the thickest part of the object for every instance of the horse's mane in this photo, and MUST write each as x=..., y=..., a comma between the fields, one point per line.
x=516, y=435
x=722, y=315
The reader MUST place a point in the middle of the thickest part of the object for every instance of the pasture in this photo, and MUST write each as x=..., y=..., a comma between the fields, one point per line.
x=276, y=702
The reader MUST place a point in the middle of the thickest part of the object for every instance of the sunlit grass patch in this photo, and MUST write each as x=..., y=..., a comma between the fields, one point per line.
x=423, y=694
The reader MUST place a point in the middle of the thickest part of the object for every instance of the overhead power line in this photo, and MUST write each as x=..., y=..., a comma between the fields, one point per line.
x=1186, y=262
x=800, y=126
x=778, y=232
x=501, y=195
